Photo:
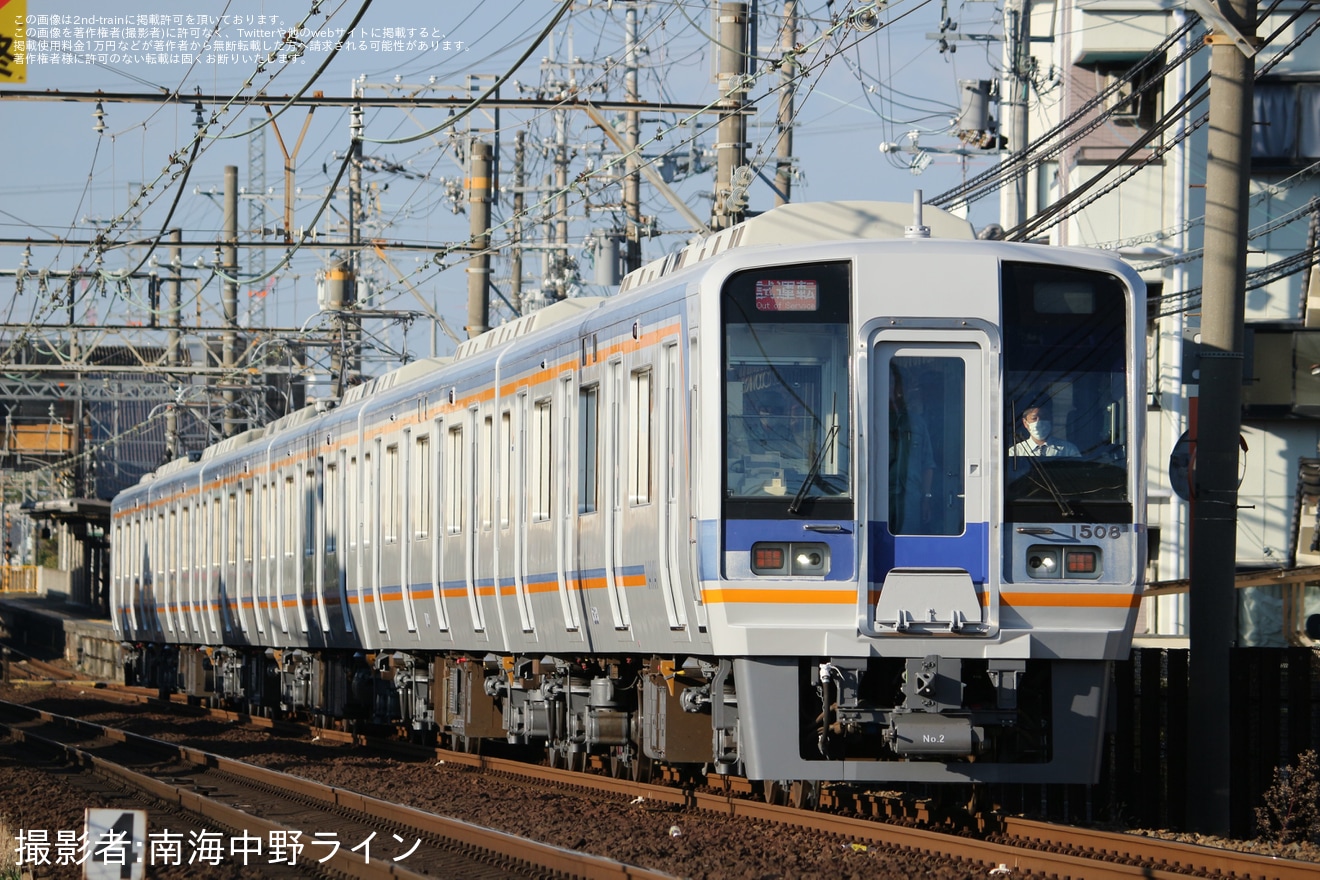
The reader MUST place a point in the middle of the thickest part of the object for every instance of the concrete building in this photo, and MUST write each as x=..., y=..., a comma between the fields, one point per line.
x=1111, y=97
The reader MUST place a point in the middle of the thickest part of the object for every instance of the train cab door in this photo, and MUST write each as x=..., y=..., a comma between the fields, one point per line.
x=930, y=488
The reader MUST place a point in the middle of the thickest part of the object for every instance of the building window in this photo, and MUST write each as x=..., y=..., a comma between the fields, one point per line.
x=1136, y=98
x=1286, y=123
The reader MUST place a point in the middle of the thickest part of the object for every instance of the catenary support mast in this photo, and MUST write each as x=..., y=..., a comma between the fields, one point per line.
x=1212, y=607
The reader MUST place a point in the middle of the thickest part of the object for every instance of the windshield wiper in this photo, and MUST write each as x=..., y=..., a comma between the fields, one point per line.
x=1041, y=477
x=814, y=470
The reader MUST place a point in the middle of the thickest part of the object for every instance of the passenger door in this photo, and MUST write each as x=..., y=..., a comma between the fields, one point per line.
x=930, y=484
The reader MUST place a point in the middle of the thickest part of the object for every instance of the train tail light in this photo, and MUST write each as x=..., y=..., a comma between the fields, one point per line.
x=768, y=558
x=1082, y=562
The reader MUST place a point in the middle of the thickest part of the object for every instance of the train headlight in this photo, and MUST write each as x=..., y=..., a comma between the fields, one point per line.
x=809, y=559
x=786, y=559
x=1043, y=563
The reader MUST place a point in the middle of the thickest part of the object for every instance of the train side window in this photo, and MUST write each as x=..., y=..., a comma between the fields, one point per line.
x=352, y=475
x=639, y=438
x=370, y=510
x=158, y=582
x=331, y=490
x=248, y=525
x=486, y=456
x=172, y=566
x=506, y=468
x=216, y=537
x=290, y=517
x=268, y=535
x=420, y=486
x=390, y=505
x=454, y=482
x=132, y=597
x=588, y=448
x=231, y=529
x=309, y=513
x=215, y=578
x=543, y=465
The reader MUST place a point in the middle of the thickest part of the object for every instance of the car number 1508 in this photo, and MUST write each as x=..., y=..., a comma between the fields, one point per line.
x=1098, y=533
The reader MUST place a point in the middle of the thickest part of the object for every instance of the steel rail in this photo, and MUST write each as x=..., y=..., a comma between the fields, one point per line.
x=551, y=858
x=1091, y=853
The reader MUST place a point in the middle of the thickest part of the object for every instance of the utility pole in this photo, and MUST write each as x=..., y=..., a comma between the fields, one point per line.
x=560, y=236
x=632, y=184
x=478, y=270
x=1020, y=92
x=1212, y=600
x=256, y=217
x=352, y=326
x=229, y=336
x=515, y=247
x=549, y=261
x=784, y=124
x=731, y=140
x=174, y=298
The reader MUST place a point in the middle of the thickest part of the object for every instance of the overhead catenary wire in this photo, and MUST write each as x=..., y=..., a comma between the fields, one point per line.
x=588, y=183
x=1069, y=130
x=105, y=238
x=1196, y=94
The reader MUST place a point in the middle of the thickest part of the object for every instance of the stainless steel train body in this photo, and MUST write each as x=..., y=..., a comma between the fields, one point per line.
x=759, y=512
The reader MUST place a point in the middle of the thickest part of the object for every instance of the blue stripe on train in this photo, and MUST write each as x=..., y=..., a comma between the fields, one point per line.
x=969, y=551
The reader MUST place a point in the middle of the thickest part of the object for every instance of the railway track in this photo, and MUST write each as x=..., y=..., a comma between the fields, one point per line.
x=1019, y=846
x=258, y=804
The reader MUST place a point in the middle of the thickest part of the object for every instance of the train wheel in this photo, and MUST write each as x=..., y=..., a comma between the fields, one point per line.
x=642, y=768
x=774, y=792
x=803, y=794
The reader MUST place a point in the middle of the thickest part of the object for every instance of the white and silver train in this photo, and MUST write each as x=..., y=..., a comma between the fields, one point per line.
x=772, y=509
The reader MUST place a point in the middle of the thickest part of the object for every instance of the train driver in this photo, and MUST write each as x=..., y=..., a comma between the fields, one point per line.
x=1037, y=422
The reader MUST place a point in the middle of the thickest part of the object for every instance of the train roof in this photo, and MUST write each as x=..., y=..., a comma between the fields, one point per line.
x=805, y=222
x=551, y=314
x=799, y=223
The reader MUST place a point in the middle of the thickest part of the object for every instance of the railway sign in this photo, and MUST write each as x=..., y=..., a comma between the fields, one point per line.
x=13, y=43
x=116, y=841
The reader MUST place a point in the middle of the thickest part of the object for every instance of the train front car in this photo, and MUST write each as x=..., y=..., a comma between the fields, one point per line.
x=921, y=579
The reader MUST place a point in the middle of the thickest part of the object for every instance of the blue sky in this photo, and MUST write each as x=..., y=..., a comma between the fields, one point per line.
x=65, y=179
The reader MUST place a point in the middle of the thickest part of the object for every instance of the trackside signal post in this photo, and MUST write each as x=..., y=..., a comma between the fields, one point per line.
x=1212, y=611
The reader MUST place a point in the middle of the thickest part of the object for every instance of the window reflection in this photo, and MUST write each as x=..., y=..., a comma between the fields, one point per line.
x=1065, y=380
x=927, y=446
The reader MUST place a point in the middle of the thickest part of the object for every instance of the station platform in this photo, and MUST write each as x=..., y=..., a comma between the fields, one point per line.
x=49, y=627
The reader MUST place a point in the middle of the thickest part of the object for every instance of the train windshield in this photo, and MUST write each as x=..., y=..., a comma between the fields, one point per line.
x=787, y=436
x=1066, y=403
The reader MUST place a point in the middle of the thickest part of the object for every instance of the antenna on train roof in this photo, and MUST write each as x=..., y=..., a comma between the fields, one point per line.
x=917, y=229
